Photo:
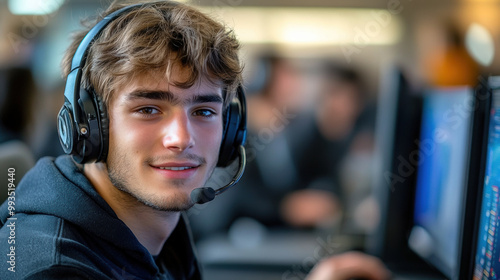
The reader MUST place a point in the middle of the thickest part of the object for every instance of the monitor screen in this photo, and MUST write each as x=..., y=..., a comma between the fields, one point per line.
x=442, y=176
x=487, y=258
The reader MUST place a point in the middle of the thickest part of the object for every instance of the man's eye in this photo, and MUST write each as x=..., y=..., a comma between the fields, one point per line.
x=148, y=111
x=204, y=113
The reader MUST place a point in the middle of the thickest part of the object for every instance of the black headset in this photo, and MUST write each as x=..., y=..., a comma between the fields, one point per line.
x=83, y=120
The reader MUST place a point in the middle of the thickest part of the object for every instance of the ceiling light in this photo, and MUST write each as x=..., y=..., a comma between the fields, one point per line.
x=34, y=7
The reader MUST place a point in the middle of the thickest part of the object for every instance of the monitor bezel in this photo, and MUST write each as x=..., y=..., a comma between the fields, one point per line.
x=472, y=214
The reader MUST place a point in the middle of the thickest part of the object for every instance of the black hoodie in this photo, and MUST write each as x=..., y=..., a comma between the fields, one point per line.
x=63, y=229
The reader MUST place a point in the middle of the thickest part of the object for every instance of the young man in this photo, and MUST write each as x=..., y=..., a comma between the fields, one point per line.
x=166, y=74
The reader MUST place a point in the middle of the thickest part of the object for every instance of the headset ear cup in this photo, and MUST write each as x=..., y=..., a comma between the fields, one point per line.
x=90, y=146
x=66, y=130
x=228, y=145
x=235, y=129
x=104, y=128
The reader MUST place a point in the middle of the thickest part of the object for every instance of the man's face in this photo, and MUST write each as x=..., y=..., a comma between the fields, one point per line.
x=164, y=140
x=338, y=109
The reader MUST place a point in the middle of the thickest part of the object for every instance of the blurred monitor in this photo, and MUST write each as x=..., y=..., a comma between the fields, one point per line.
x=442, y=176
x=486, y=257
x=431, y=150
x=450, y=168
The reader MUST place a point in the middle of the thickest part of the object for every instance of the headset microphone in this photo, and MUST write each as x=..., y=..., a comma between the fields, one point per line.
x=203, y=195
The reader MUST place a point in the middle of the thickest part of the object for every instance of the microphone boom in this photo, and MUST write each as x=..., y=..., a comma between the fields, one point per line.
x=203, y=195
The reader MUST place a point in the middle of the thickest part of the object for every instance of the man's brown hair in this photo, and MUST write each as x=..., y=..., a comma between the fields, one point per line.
x=153, y=38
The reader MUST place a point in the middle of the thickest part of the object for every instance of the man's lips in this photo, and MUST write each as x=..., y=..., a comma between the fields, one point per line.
x=176, y=166
x=177, y=170
x=184, y=167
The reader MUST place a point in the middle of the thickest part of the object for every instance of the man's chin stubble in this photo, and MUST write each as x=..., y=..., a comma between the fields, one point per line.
x=175, y=203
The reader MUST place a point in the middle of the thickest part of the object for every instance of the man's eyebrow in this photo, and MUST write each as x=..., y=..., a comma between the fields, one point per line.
x=169, y=96
x=206, y=98
x=151, y=94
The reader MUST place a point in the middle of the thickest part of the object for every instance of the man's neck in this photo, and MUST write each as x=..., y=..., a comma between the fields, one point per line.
x=151, y=227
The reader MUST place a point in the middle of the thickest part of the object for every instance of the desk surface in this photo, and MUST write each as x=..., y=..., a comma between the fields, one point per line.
x=278, y=248
x=275, y=255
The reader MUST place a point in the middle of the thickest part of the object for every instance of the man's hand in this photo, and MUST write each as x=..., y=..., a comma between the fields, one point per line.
x=349, y=265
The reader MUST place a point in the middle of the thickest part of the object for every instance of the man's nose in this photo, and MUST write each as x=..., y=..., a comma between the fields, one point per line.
x=178, y=134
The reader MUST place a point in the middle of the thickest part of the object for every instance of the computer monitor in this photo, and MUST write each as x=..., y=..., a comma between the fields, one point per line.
x=453, y=135
x=486, y=256
x=442, y=176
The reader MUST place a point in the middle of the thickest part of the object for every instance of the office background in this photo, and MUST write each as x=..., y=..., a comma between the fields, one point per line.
x=292, y=51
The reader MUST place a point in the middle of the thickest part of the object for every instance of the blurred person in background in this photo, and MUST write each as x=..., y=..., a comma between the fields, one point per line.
x=343, y=126
x=346, y=119
x=279, y=124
